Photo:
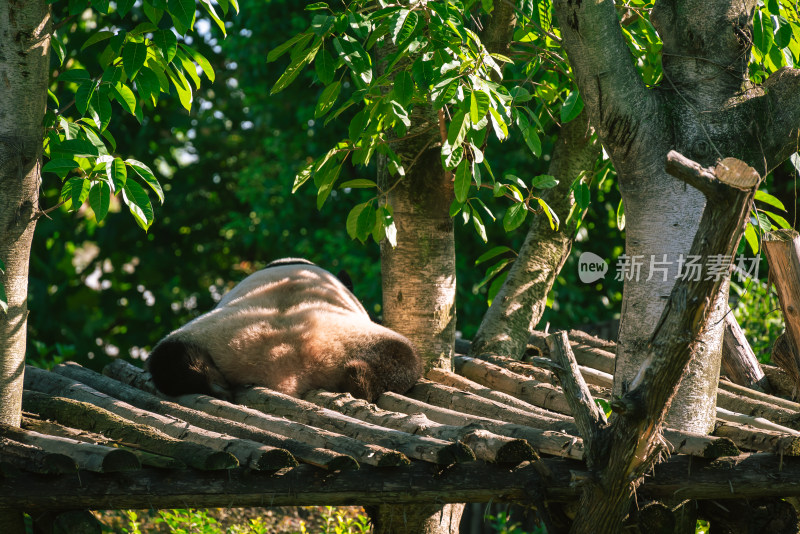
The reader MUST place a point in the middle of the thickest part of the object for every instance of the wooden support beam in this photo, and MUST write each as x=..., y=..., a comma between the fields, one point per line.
x=747, y=476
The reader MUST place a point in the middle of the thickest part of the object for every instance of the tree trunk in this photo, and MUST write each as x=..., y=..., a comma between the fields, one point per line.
x=702, y=110
x=519, y=304
x=419, y=280
x=24, y=32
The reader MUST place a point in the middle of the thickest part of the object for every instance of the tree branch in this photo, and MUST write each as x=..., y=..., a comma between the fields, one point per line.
x=782, y=136
x=588, y=416
x=610, y=85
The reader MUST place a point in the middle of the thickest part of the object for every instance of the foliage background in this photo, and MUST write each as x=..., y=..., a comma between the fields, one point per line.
x=111, y=290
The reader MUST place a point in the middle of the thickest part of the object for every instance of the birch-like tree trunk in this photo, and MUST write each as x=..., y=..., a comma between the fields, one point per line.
x=703, y=109
x=518, y=306
x=25, y=34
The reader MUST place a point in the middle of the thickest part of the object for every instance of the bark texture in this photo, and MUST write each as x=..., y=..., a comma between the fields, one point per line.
x=24, y=57
x=519, y=304
x=419, y=280
x=704, y=110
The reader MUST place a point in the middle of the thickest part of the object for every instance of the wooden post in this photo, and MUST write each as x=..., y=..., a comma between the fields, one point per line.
x=738, y=359
x=782, y=249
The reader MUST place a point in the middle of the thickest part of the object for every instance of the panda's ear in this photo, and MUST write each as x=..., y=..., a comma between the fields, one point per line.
x=345, y=279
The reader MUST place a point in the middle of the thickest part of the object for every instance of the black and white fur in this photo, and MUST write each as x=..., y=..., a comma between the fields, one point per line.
x=291, y=327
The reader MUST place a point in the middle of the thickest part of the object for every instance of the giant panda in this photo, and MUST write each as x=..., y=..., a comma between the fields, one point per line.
x=291, y=327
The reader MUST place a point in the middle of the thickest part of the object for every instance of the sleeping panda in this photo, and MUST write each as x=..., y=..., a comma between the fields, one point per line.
x=291, y=327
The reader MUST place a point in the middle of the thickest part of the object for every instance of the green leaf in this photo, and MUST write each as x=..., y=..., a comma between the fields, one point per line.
x=762, y=33
x=152, y=13
x=572, y=107
x=463, y=180
x=458, y=129
x=74, y=75
x=444, y=91
x=83, y=95
x=499, y=125
x=403, y=88
x=302, y=176
x=60, y=166
x=766, y=198
x=477, y=222
x=782, y=223
x=124, y=6
x=100, y=108
x=144, y=172
x=551, y=215
x=514, y=217
x=544, y=181
x=751, y=238
x=99, y=200
x=358, y=124
x=325, y=66
x=360, y=183
x=183, y=10
x=166, y=41
x=125, y=97
x=327, y=98
x=495, y=286
x=78, y=147
x=295, y=67
x=279, y=50
x=182, y=86
x=137, y=201
x=97, y=38
x=76, y=190
x=479, y=103
x=201, y=60
x=326, y=179
x=783, y=33
x=58, y=48
x=209, y=7
x=583, y=196
x=117, y=173
x=492, y=253
x=763, y=221
x=352, y=219
x=403, y=26
x=189, y=68
x=365, y=221
x=316, y=6
x=148, y=85
x=354, y=56
x=133, y=56
x=621, y=216
x=530, y=135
